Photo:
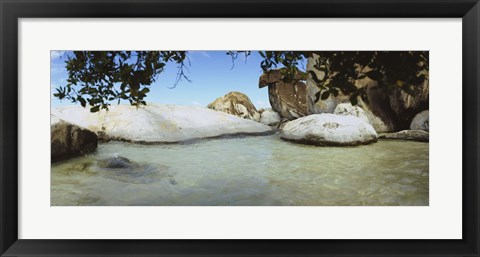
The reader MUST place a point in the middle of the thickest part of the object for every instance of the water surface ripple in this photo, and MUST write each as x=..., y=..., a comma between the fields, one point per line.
x=262, y=170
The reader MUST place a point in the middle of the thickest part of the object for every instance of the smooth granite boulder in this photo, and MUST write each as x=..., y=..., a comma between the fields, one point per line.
x=156, y=123
x=329, y=130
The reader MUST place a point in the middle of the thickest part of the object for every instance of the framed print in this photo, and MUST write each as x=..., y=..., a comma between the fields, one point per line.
x=226, y=128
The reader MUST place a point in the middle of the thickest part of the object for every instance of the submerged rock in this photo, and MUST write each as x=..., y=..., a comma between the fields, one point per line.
x=69, y=140
x=237, y=104
x=116, y=163
x=124, y=170
x=415, y=135
x=329, y=129
x=160, y=123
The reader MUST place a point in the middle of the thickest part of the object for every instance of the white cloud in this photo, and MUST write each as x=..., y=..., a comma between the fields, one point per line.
x=197, y=103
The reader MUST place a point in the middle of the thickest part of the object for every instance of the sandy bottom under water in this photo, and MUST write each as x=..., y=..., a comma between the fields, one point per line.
x=262, y=170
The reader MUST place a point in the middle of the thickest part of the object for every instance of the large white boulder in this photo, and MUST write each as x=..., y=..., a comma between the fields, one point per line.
x=69, y=140
x=420, y=121
x=159, y=123
x=329, y=129
x=270, y=117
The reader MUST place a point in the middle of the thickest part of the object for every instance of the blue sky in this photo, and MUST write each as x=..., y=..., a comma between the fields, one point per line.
x=211, y=76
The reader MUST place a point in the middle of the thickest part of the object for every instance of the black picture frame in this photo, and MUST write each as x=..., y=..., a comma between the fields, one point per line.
x=11, y=11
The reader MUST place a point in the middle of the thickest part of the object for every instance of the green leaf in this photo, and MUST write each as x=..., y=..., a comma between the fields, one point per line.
x=334, y=91
x=314, y=76
x=325, y=95
x=95, y=108
x=145, y=90
x=354, y=98
x=82, y=101
x=317, y=96
x=374, y=75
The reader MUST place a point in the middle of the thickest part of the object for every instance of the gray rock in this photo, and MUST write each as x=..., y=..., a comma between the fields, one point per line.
x=415, y=135
x=329, y=129
x=420, y=121
x=406, y=106
x=122, y=169
x=117, y=163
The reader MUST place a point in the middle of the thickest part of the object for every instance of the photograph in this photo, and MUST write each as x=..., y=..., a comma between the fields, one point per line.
x=239, y=128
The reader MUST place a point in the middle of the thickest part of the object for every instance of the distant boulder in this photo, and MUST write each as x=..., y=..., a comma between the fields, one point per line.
x=237, y=104
x=329, y=130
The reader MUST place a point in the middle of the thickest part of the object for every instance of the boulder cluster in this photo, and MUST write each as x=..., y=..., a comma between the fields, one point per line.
x=295, y=113
x=76, y=131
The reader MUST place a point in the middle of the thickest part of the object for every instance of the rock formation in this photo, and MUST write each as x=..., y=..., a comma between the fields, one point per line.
x=386, y=112
x=406, y=106
x=237, y=104
x=159, y=123
x=348, y=109
x=420, y=121
x=69, y=140
x=124, y=170
x=415, y=135
x=288, y=99
x=329, y=130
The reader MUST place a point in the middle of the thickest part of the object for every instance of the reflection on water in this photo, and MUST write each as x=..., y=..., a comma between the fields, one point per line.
x=261, y=170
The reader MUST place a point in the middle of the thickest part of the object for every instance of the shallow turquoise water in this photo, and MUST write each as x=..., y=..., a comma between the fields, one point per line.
x=262, y=170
